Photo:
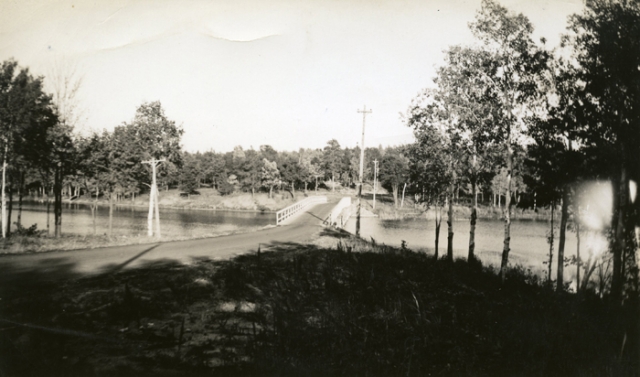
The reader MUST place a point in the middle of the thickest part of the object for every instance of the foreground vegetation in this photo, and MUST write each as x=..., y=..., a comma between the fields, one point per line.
x=352, y=309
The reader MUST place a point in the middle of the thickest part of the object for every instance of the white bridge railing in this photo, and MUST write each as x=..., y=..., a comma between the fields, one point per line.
x=293, y=209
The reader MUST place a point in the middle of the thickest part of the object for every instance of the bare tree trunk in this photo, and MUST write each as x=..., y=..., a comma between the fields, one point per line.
x=110, y=212
x=564, y=214
x=507, y=214
x=94, y=209
x=450, y=224
x=578, y=263
x=20, y=196
x=619, y=228
x=395, y=195
x=472, y=227
x=48, y=214
x=438, y=223
x=57, y=198
x=551, y=237
x=10, y=208
x=4, y=199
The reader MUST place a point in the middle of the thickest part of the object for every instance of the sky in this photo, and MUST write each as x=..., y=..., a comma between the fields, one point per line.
x=288, y=73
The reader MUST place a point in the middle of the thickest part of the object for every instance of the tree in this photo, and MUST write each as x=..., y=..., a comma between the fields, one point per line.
x=462, y=98
x=92, y=162
x=270, y=175
x=428, y=168
x=155, y=139
x=251, y=171
x=604, y=39
x=189, y=174
x=332, y=160
x=26, y=116
x=510, y=76
x=394, y=170
x=290, y=172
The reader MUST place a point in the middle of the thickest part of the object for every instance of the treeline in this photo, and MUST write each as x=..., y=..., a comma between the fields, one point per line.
x=516, y=116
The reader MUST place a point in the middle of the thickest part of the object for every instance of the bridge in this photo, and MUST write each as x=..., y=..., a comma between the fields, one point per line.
x=286, y=215
x=304, y=222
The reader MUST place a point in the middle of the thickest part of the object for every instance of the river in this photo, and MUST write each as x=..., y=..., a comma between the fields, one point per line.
x=528, y=245
x=132, y=221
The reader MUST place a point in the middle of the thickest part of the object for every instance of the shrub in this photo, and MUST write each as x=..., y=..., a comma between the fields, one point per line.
x=225, y=188
x=31, y=231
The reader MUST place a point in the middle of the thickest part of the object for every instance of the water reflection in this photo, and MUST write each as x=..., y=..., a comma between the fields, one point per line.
x=132, y=221
x=528, y=244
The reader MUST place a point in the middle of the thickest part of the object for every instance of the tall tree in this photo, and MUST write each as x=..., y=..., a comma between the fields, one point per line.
x=270, y=175
x=154, y=137
x=510, y=76
x=471, y=111
x=332, y=161
x=26, y=116
x=429, y=169
x=394, y=171
x=606, y=49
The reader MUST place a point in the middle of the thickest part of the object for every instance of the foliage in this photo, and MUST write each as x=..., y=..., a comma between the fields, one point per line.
x=225, y=188
x=270, y=174
x=394, y=170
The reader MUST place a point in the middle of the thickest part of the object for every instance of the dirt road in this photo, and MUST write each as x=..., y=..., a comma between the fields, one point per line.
x=35, y=268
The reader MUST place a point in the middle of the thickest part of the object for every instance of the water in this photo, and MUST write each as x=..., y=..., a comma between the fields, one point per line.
x=132, y=221
x=528, y=245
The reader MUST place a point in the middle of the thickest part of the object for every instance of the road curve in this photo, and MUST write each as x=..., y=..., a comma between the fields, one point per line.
x=25, y=268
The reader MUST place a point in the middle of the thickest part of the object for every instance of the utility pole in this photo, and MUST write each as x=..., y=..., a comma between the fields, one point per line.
x=153, y=198
x=375, y=181
x=364, y=113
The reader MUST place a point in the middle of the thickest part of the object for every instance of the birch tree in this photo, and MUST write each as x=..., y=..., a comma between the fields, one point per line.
x=511, y=78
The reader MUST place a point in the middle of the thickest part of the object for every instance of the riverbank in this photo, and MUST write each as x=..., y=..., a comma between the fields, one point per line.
x=207, y=198
x=386, y=210
x=176, y=225
x=41, y=242
x=339, y=306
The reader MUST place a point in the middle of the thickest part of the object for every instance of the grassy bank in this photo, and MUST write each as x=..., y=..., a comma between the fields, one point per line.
x=208, y=198
x=38, y=243
x=386, y=210
x=335, y=307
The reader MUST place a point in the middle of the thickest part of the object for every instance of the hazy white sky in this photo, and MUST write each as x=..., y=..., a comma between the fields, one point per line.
x=289, y=73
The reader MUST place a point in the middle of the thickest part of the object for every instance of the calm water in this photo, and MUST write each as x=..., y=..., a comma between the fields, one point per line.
x=130, y=221
x=528, y=239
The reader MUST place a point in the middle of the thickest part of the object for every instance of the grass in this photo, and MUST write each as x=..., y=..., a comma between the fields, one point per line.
x=23, y=244
x=336, y=307
x=208, y=198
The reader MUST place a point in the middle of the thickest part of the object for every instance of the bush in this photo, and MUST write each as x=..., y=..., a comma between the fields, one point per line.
x=225, y=188
x=31, y=231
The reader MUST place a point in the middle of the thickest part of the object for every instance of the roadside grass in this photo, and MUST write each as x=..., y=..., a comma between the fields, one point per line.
x=340, y=306
x=209, y=198
x=24, y=244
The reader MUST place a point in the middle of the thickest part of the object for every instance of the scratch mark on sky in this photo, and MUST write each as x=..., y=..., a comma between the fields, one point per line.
x=110, y=16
